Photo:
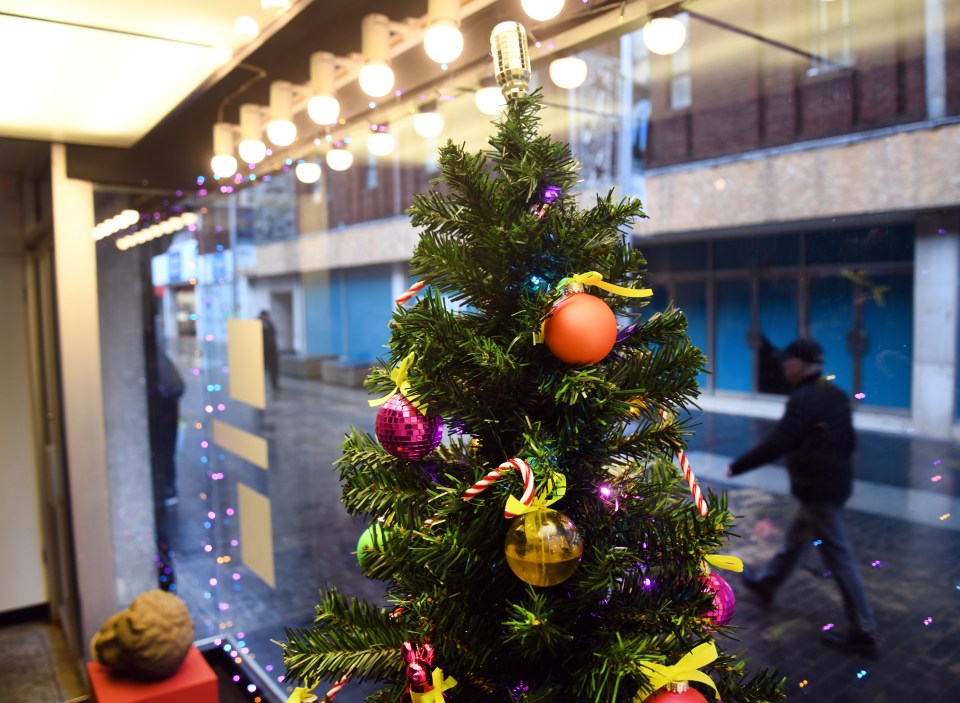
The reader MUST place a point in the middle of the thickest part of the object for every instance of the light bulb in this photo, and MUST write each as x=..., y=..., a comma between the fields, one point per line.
x=246, y=28
x=224, y=165
x=489, y=100
x=381, y=143
x=569, y=72
x=190, y=218
x=428, y=124
x=252, y=151
x=323, y=109
x=664, y=35
x=443, y=41
x=251, y=148
x=308, y=172
x=129, y=217
x=542, y=10
x=376, y=79
x=281, y=132
x=339, y=159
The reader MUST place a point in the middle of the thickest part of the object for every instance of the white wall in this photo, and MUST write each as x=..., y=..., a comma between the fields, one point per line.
x=21, y=544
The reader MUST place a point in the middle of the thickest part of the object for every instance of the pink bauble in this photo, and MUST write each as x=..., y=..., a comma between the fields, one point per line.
x=724, y=601
x=404, y=431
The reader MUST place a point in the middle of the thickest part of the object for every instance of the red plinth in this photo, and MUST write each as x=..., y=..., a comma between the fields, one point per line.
x=194, y=682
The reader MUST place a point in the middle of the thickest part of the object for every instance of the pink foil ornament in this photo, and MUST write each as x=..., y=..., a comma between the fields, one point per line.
x=724, y=600
x=404, y=431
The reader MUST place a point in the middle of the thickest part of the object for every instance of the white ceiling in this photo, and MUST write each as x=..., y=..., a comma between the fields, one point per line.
x=104, y=72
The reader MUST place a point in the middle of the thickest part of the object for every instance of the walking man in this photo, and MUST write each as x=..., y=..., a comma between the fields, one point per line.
x=816, y=435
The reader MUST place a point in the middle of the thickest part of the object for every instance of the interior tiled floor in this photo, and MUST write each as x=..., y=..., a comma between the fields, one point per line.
x=904, y=519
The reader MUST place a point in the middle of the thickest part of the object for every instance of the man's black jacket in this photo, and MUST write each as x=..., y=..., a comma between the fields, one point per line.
x=816, y=434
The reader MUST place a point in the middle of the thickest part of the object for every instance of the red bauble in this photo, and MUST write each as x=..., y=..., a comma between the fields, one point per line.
x=581, y=329
x=404, y=431
x=666, y=695
x=724, y=601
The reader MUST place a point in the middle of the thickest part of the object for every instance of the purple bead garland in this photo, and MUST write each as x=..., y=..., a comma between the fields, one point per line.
x=404, y=431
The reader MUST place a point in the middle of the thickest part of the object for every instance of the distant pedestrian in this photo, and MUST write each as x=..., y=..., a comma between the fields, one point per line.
x=271, y=359
x=816, y=435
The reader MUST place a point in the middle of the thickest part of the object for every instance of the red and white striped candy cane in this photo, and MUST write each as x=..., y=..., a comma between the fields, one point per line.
x=525, y=472
x=519, y=464
x=411, y=291
x=336, y=688
x=691, y=480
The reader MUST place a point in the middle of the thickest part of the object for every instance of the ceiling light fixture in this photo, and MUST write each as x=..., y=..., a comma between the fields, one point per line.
x=223, y=163
x=428, y=123
x=281, y=130
x=339, y=159
x=308, y=172
x=376, y=76
x=568, y=72
x=380, y=142
x=323, y=107
x=542, y=10
x=489, y=100
x=251, y=148
x=664, y=35
x=443, y=40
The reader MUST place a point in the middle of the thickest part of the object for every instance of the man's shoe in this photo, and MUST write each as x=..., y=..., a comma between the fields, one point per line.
x=763, y=593
x=855, y=642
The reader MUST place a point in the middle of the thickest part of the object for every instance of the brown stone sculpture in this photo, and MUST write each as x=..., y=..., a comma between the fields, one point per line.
x=148, y=640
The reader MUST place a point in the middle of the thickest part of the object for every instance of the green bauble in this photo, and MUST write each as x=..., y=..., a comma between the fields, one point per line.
x=371, y=540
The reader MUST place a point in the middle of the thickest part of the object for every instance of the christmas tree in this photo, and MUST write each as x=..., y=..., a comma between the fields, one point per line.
x=596, y=588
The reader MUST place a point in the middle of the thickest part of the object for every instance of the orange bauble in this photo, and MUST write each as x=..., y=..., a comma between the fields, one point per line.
x=581, y=329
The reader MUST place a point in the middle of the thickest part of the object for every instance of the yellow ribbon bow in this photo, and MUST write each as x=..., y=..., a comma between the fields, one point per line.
x=724, y=562
x=401, y=384
x=556, y=486
x=302, y=694
x=435, y=694
x=593, y=278
x=687, y=669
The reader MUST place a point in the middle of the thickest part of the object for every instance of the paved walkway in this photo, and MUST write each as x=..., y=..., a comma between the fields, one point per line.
x=904, y=520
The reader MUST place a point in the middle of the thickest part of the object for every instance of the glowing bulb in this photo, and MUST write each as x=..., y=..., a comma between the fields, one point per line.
x=381, y=143
x=428, y=124
x=376, y=79
x=569, y=72
x=308, y=172
x=664, y=35
x=443, y=41
x=252, y=151
x=323, y=109
x=281, y=132
x=339, y=159
x=489, y=100
x=246, y=28
x=542, y=10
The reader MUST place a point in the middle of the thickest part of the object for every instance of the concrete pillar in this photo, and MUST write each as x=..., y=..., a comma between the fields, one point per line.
x=934, y=58
x=935, y=315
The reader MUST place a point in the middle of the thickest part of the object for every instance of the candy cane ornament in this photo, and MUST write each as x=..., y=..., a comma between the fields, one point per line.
x=691, y=480
x=410, y=292
x=492, y=477
x=336, y=688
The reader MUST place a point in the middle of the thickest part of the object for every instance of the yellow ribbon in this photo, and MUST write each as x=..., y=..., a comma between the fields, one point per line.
x=435, y=694
x=401, y=385
x=302, y=694
x=593, y=278
x=724, y=562
x=687, y=669
x=556, y=485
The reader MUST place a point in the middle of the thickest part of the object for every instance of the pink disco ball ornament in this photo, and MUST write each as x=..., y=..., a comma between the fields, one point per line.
x=404, y=431
x=724, y=601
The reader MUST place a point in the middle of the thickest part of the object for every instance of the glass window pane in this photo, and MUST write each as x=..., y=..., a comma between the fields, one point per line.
x=831, y=318
x=888, y=243
x=762, y=251
x=888, y=322
x=732, y=365
x=778, y=326
x=692, y=299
